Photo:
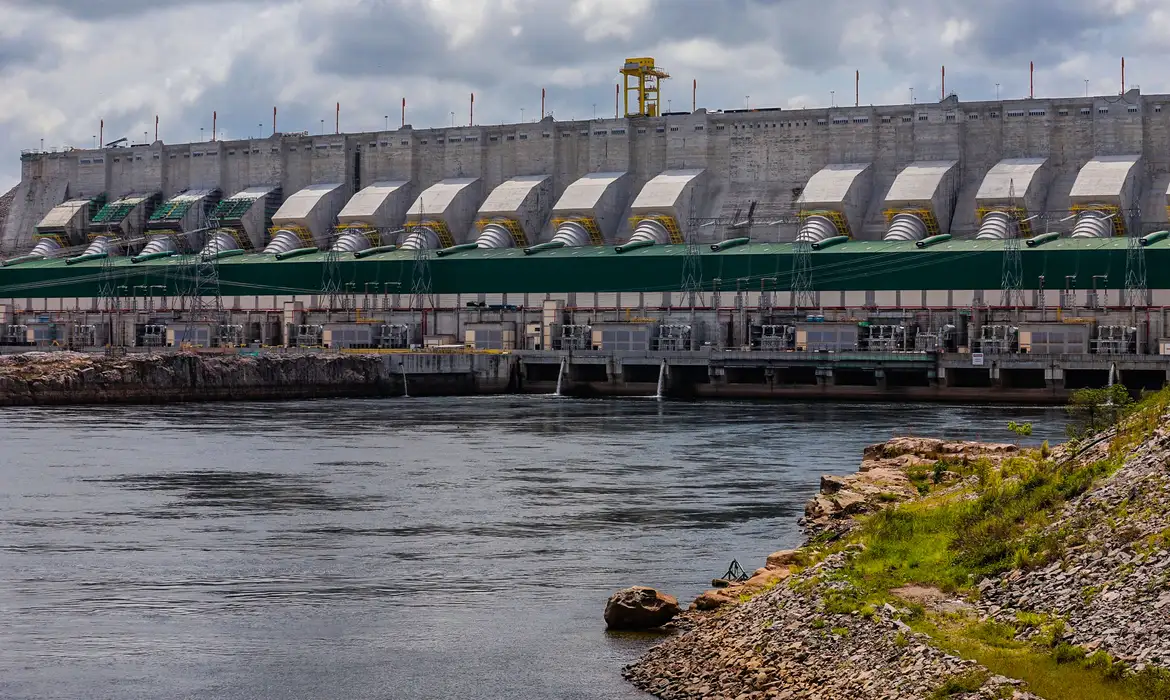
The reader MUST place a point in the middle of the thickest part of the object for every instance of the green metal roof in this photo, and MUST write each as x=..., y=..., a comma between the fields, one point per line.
x=852, y=266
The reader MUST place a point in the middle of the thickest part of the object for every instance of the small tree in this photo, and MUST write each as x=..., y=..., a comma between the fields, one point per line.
x=1092, y=410
x=1020, y=429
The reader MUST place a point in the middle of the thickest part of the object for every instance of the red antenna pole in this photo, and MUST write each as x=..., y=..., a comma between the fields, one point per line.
x=944, y=82
x=156, y=127
x=857, y=89
x=617, y=93
x=1031, y=79
x=542, y=112
x=214, y=120
x=695, y=95
x=337, y=122
x=274, y=121
x=1123, y=75
x=471, y=121
x=102, y=134
x=403, y=111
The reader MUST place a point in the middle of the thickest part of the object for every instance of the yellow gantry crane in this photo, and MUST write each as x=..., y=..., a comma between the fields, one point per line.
x=641, y=76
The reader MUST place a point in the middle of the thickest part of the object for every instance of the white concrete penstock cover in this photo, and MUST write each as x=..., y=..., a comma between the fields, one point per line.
x=526, y=198
x=1107, y=180
x=453, y=201
x=600, y=196
x=382, y=205
x=841, y=187
x=313, y=208
x=925, y=185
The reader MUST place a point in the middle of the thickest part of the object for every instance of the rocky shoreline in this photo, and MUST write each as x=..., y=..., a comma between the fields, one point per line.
x=875, y=604
x=65, y=378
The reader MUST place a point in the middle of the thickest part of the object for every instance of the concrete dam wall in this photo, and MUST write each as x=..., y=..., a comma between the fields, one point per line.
x=606, y=181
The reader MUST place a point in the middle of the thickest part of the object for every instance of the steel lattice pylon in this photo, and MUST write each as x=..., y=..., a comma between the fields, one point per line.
x=331, y=273
x=420, y=274
x=109, y=301
x=802, y=286
x=692, y=274
x=203, y=283
x=1136, y=293
x=1012, y=278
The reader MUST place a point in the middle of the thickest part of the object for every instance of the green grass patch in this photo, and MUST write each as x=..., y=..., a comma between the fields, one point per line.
x=953, y=539
x=1039, y=668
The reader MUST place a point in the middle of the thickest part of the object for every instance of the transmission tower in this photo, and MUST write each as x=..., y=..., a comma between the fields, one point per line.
x=109, y=300
x=204, y=298
x=1135, y=263
x=420, y=275
x=331, y=273
x=1012, y=279
x=802, y=286
x=692, y=272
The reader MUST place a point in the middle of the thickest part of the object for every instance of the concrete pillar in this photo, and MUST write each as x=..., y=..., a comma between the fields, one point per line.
x=1054, y=378
x=880, y=375
x=718, y=375
x=825, y=376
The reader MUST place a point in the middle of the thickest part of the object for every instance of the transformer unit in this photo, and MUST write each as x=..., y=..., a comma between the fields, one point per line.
x=310, y=335
x=1115, y=340
x=83, y=336
x=231, y=335
x=16, y=334
x=674, y=337
x=395, y=336
x=773, y=338
x=576, y=337
x=941, y=340
x=887, y=338
x=152, y=335
x=998, y=339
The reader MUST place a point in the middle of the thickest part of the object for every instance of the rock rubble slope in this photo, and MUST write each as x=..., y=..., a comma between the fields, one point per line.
x=955, y=570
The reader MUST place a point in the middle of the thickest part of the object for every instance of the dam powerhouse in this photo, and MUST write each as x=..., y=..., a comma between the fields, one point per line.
x=1013, y=250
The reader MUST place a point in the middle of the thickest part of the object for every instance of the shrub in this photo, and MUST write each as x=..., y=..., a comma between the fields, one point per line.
x=1066, y=653
x=969, y=682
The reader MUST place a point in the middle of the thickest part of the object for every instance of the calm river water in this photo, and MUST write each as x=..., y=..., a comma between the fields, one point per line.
x=404, y=548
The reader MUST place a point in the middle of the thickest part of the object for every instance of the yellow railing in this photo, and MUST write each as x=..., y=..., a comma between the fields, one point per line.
x=301, y=232
x=446, y=240
x=513, y=227
x=1107, y=209
x=1017, y=213
x=927, y=216
x=587, y=222
x=668, y=222
x=838, y=219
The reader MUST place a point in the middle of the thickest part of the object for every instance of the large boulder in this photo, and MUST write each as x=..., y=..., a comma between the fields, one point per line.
x=639, y=608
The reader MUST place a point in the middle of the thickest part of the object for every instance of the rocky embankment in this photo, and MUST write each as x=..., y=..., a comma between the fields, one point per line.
x=1110, y=587
x=884, y=600
x=53, y=378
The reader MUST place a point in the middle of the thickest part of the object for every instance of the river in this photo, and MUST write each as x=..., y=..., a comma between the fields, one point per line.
x=401, y=548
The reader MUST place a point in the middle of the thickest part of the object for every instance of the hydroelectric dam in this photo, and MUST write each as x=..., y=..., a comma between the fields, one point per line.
x=1007, y=250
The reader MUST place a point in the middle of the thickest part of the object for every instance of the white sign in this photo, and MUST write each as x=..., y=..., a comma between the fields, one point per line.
x=977, y=359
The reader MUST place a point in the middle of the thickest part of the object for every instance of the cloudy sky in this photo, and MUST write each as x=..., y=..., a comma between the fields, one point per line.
x=66, y=64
